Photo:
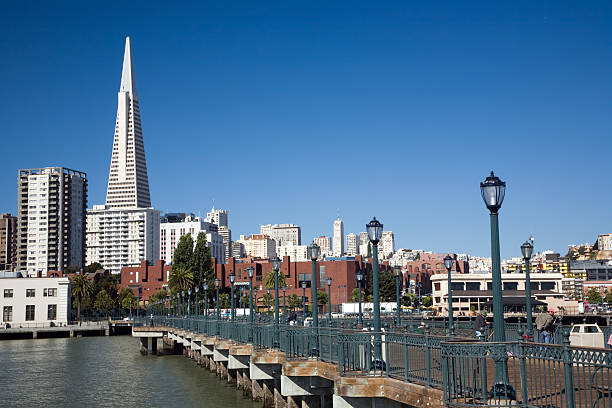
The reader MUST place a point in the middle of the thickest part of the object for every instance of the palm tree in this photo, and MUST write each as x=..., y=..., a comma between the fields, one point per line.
x=82, y=288
x=269, y=280
x=180, y=279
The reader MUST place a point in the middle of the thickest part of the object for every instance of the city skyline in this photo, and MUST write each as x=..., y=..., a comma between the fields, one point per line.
x=412, y=109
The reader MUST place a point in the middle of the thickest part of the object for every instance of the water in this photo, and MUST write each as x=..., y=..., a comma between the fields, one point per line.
x=106, y=372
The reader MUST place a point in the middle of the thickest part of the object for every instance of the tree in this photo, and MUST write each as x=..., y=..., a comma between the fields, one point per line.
x=93, y=267
x=71, y=269
x=224, y=300
x=609, y=297
x=322, y=298
x=104, y=302
x=183, y=254
x=267, y=299
x=159, y=295
x=201, y=262
x=180, y=279
x=386, y=285
x=82, y=288
x=107, y=283
x=427, y=301
x=127, y=298
x=269, y=280
x=594, y=296
x=293, y=301
x=355, y=295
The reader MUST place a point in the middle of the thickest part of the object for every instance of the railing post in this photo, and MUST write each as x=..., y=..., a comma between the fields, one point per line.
x=340, y=357
x=427, y=357
x=387, y=353
x=568, y=370
x=523, y=372
x=406, y=359
x=483, y=369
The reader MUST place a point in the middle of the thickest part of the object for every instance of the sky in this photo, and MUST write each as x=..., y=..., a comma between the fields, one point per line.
x=290, y=112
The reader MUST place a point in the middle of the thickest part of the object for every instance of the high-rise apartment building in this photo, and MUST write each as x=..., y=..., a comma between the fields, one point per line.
x=324, y=243
x=387, y=244
x=259, y=246
x=173, y=226
x=118, y=237
x=297, y=253
x=128, y=183
x=125, y=231
x=352, y=244
x=338, y=238
x=220, y=219
x=604, y=242
x=8, y=242
x=364, y=241
x=283, y=233
x=52, y=204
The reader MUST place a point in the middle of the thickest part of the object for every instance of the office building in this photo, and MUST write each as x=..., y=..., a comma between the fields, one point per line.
x=324, y=243
x=174, y=225
x=52, y=204
x=352, y=244
x=217, y=217
x=8, y=241
x=258, y=246
x=283, y=233
x=338, y=238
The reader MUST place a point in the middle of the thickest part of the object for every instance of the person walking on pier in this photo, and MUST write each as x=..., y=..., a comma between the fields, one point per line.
x=545, y=323
x=479, y=324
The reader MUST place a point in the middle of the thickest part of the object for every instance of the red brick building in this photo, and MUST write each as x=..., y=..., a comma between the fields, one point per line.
x=342, y=272
x=148, y=278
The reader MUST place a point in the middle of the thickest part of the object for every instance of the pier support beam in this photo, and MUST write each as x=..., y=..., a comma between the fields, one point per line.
x=144, y=346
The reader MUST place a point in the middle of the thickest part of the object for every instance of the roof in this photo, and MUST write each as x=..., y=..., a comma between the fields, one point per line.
x=518, y=301
x=505, y=293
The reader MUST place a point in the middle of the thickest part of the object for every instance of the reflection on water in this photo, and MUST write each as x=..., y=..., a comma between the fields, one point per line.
x=105, y=371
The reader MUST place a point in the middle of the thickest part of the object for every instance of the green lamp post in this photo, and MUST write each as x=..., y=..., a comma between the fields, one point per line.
x=527, y=251
x=398, y=307
x=276, y=263
x=313, y=252
x=329, y=316
x=448, y=264
x=359, y=277
x=375, y=229
x=250, y=271
x=493, y=191
x=232, y=278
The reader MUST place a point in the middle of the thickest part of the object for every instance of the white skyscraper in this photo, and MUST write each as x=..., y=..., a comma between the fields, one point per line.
x=387, y=243
x=125, y=231
x=283, y=233
x=173, y=226
x=324, y=243
x=128, y=183
x=352, y=244
x=218, y=217
x=338, y=238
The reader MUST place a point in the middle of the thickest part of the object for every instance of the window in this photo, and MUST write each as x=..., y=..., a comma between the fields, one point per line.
x=30, y=312
x=52, y=312
x=8, y=292
x=473, y=285
x=50, y=292
x=7, y=314
x=437, y=286
x=30, y=292
x=548, y=285
x=510, y=285
x=457, y=286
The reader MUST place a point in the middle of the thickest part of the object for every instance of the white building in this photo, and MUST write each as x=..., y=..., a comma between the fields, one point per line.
x=226, y=235
x=259, y=246
x=324, y=243
x=122, y=237
x=352, y=244
x=173, y=227
x=604, y=242
x=403, y=255
x=52, y=203
x=387, y=244
x=474, y=290
x=125, y=231
x=282, y=233
x=363, y=243
x=297, y=253
x=338, y=238
x=217, y=217
x=34, y=300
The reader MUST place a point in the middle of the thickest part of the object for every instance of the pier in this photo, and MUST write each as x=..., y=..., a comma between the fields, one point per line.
x=296, y=366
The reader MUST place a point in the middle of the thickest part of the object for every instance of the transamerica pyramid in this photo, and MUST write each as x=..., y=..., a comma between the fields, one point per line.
x=128, y=183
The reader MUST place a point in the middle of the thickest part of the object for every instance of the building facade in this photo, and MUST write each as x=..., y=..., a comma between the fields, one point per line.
x=8, y=242
x=217, y=217
x=338, y=238
x=324, y=243
x=387, y=244
x=27, y=301
x=299, y=253
x=52, y=203
x=174, y=226
x=146, y=279
x=352, y=244
x=118, y=237
x=283, y=233
x=220, y=219
x=258, y=246
x=604, y=242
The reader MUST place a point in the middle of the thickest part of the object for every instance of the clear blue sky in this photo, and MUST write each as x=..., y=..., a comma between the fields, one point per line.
x=285, y=112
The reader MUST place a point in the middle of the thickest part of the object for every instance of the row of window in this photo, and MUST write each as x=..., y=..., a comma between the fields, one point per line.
x=47, y=292
x=30, y=313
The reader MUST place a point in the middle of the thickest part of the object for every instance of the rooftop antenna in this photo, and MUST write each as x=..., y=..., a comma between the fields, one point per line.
x=338, y=213
x=213, y=204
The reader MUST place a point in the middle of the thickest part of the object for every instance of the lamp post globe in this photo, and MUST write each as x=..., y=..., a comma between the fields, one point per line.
x=375, y=229
x=493, y=191
x=527, y=252
x=359, y=276
x=448, y=264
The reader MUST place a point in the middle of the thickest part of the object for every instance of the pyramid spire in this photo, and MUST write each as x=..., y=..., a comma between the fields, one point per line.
x=128, y=81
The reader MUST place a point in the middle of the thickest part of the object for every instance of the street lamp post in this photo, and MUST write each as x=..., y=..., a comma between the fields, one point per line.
x=527, y=250
x=448, y=264
x=359, y=277
x=183, y=303
x=329, y=316
x=189, y=303
x=276, y=263
x=284, y=288
x=250, y=271
x=313, y=253
x=375, y=229
x=493, y=191
x=205, y=288
x=197, y=296
x=304, y=297
x=398, y=307
x=232, y=278
x=217, y=284
x=269, y=301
